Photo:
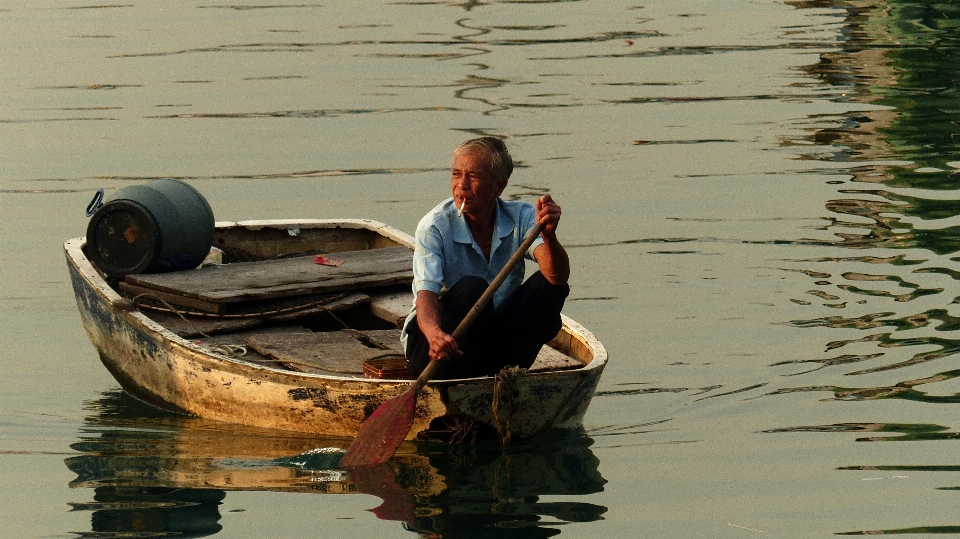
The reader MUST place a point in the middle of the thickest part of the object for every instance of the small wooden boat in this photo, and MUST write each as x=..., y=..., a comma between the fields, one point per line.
x=298, y=330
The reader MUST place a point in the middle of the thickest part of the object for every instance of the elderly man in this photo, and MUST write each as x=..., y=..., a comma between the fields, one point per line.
x=461, y=245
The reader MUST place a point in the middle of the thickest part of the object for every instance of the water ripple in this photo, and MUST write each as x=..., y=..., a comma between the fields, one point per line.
x=309, y=46
x=700, y=50
x=907, y=432
x=99, y=6
x=318, y=113
x=238, y=7
x=73, y=119
x=319, y=173
x=902, y=390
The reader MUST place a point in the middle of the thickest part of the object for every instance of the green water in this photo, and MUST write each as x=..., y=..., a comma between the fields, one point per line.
x=760, y=205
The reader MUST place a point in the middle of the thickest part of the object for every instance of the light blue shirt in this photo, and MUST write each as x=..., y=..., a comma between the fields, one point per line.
x=445, y=250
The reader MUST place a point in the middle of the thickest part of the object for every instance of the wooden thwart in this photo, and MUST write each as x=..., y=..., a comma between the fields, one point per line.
x=551, y=359
x=391, y=304
x=189, y=325
x=215, y=288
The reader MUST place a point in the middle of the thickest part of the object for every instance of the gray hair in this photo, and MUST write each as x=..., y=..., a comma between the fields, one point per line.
x=501, y=164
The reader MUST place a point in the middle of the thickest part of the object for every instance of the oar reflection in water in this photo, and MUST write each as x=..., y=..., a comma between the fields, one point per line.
x=486, y=490
x=155, y=473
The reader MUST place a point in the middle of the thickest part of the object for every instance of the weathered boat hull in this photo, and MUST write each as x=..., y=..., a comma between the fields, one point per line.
x=167, y=371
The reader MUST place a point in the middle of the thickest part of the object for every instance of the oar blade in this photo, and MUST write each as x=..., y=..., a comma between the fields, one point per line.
x=382, y=432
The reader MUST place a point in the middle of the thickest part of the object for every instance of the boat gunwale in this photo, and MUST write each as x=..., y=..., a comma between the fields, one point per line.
x=74, y=250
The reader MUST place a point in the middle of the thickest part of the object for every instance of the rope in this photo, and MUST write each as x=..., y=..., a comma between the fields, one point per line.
x=234, y=350
x=225, y=349
x=504, y=391
x=237, y=351
x=261, y=314
x=462, y=428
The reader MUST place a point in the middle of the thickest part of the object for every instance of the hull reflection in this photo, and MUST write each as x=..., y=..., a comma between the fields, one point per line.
x=152, y=512
x=159, y=474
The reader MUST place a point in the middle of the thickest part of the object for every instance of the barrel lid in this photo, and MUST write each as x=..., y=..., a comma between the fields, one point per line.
x=123, y=238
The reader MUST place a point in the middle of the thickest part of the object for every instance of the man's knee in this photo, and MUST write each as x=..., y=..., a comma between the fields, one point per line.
x=539, y=285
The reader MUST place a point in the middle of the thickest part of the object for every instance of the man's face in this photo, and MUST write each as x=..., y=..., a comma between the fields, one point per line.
x=472, y=181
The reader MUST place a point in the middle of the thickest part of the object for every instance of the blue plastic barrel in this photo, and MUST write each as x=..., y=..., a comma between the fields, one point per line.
x=163, y=225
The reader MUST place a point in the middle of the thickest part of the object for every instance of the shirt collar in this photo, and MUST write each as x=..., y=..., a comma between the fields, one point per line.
x=502, y=227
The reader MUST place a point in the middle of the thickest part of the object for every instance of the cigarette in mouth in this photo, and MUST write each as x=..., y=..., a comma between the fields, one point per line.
x=460, y=210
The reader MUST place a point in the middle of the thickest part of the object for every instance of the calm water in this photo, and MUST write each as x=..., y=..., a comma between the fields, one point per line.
x=760, y=201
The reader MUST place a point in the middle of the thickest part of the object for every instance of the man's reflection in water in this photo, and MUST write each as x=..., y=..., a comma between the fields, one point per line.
x=156, y=474
x=485, y=490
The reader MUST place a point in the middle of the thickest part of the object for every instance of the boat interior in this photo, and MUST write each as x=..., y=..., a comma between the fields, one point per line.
x=309, y=299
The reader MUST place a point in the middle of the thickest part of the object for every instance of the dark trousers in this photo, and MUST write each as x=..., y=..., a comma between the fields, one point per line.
x=512, y=335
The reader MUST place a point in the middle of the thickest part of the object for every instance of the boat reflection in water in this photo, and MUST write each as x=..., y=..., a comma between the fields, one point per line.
x=157, y=474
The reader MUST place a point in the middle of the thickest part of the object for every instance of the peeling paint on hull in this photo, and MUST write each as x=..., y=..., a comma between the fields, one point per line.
x=169, y=372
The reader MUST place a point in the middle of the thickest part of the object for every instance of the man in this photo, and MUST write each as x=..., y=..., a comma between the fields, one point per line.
x=461, y=245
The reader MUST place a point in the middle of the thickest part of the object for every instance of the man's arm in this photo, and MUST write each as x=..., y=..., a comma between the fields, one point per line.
x=551, y=256
x=442, y=344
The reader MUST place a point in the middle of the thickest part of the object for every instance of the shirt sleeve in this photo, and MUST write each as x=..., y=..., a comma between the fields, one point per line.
x=428, y=258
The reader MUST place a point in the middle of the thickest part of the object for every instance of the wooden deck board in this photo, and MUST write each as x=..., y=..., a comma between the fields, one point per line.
x=551, y=359
x=391, y=304
x=195, y=326
x=247, y=281
x=337, y=352
x=342, y=352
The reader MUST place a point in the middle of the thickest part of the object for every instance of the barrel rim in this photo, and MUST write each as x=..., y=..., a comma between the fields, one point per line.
x=150, y=255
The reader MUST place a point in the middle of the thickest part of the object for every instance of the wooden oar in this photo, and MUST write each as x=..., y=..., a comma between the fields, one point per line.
x=381, y=434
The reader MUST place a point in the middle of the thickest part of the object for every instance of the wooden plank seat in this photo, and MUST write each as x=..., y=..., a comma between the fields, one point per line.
x=218, y=289
x=345, y=352
x=195, y=324
x=551, y=359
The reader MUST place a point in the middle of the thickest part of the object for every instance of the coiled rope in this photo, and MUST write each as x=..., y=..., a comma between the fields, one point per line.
x=504, y=391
